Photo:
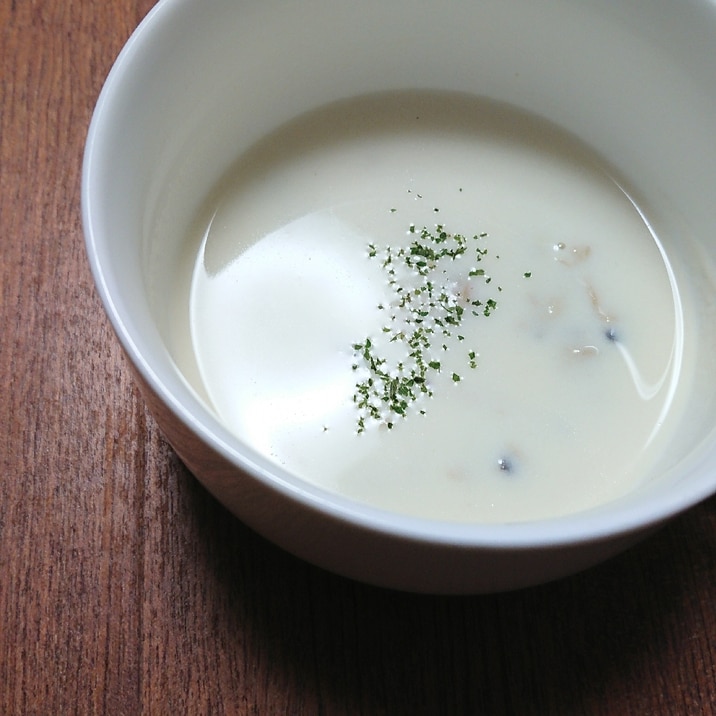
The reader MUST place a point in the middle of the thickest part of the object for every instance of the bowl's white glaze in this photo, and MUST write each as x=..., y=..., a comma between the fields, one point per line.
x=199, y=82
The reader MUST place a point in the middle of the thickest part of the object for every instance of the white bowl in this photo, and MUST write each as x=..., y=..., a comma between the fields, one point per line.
x=198, y=83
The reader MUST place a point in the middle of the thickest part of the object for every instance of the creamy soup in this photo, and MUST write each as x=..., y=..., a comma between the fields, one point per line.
x=438, y=306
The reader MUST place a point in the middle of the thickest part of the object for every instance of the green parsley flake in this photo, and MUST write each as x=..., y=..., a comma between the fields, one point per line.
x=425, y=307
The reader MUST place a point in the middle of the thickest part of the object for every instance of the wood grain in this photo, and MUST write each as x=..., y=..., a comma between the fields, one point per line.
x=126, y=589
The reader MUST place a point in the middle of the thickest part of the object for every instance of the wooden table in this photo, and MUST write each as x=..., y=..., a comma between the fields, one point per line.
x=126, y=589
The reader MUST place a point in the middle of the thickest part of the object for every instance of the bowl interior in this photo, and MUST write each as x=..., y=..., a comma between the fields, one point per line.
x=200, y=83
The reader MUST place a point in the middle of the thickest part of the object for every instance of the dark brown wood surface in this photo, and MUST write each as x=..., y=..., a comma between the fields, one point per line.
x=126, y=589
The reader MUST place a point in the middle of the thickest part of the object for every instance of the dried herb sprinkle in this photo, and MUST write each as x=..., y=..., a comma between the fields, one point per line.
x=426, y=308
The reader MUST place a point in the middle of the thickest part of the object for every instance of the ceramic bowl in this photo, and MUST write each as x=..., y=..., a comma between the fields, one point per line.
x=198, y=83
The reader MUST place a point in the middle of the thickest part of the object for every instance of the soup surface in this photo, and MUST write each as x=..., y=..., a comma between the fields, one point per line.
x=438, y=306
